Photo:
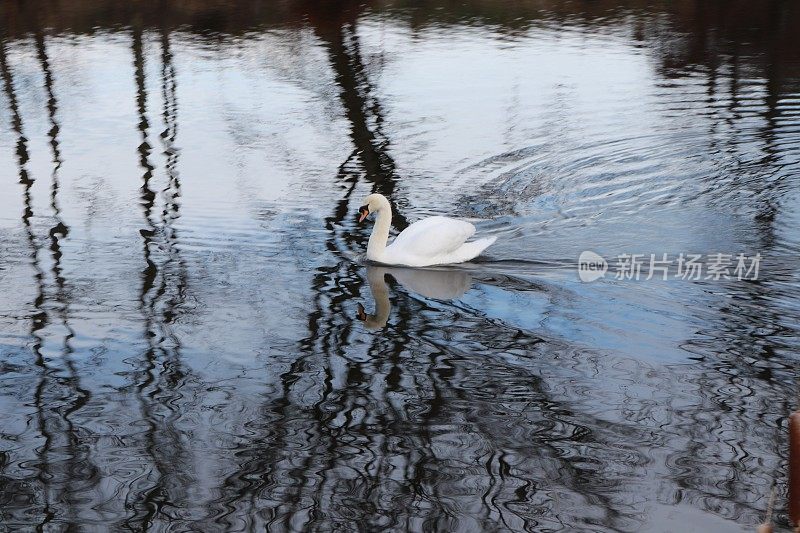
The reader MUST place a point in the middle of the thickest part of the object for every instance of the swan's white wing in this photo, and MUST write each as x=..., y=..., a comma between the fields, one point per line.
x=432, y=237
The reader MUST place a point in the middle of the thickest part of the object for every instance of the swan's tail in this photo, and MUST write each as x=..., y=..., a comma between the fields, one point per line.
x=471, y=250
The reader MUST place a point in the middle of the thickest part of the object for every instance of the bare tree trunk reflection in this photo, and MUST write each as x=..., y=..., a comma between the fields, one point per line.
x=39, y=318
x=162, y=379
x=65, y=469
x=81, y=474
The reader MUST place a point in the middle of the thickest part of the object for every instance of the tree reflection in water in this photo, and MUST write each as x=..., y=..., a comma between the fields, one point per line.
x=465, y=399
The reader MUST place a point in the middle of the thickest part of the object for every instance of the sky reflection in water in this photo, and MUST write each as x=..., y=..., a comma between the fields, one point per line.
x=189, y=338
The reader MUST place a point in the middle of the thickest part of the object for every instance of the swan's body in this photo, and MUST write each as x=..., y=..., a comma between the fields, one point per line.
x=430, y=241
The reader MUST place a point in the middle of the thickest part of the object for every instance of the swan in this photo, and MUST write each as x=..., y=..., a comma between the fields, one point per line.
x=436, y=284
x=430, y=241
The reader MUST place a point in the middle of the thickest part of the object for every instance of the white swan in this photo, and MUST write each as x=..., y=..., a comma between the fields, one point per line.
x=430, y=241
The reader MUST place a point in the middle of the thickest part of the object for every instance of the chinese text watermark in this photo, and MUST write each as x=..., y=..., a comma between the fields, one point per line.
x=714, y=267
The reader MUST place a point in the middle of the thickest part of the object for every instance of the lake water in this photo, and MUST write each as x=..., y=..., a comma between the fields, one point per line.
x=191, y=339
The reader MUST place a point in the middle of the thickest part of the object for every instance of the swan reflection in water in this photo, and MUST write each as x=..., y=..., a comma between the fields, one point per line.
x=437, y=284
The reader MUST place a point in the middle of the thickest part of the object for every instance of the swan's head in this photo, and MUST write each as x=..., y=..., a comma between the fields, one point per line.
x=372, y=204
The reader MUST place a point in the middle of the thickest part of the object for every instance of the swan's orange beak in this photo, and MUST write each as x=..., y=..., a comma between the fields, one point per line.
x=363, y=212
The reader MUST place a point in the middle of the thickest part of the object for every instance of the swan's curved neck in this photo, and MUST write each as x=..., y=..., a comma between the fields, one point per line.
x=380, y=233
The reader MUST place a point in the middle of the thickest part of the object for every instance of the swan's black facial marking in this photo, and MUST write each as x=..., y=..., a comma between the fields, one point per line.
x=363, y=211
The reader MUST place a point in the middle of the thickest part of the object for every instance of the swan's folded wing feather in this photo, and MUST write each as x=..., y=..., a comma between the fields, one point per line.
x=433, y=236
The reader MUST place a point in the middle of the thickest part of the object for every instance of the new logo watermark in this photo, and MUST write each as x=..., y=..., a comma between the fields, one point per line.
x=591, y=266
x=717, y=266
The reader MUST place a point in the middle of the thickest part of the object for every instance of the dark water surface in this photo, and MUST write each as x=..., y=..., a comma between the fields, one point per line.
x=181, y=272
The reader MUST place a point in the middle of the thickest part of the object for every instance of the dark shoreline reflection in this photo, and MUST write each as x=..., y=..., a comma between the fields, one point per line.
x=178, y=342
x=761, y=31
